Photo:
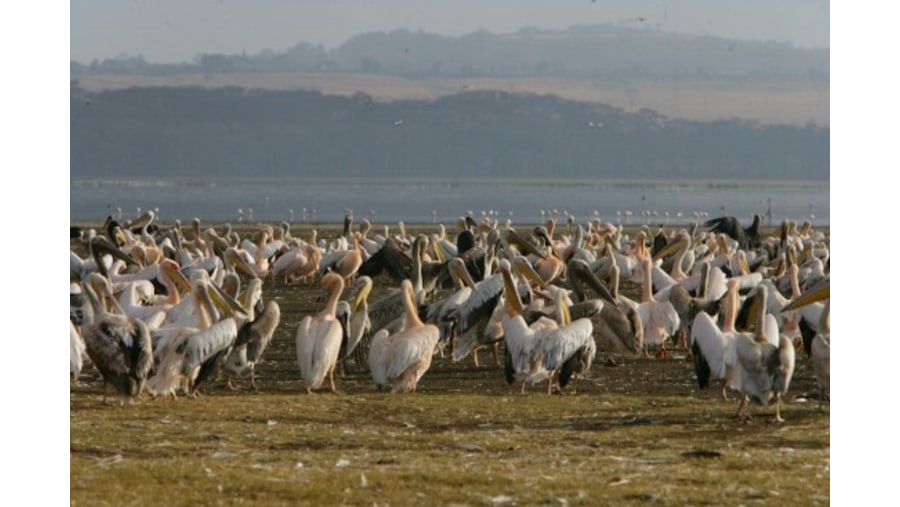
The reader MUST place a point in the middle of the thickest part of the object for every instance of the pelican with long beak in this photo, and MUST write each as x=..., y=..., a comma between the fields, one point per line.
x=818, y=349
x=319, y=338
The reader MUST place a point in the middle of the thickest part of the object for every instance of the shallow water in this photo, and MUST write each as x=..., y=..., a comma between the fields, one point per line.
x=433, y=200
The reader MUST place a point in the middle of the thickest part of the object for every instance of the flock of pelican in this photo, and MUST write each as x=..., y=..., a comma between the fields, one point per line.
x=165, y=310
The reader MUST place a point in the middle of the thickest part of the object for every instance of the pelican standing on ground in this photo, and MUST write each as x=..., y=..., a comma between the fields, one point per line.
x=819, y=348
x=401, y=359
x=319, y=338
x=118, y=345
x=766, y=359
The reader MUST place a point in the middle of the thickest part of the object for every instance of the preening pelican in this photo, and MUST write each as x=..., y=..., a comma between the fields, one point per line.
x=118, y=345
x=187, y=355
x=344, y=262
x=319, y=338
x=401, y=359
x=616, y=323
x=298, y=263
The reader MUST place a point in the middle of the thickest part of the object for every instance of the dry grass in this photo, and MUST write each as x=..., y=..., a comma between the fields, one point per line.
x=635, y=433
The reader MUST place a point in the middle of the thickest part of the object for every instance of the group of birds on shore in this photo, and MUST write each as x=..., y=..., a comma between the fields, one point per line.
x=165, y=310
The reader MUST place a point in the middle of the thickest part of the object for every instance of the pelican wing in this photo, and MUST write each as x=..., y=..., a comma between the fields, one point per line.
x=410, y=347
x=120, y=348
x=756, y=381
x=205, y=344
x=318, y=347
x=713, y=344
x=379, y=356
x=561, y=344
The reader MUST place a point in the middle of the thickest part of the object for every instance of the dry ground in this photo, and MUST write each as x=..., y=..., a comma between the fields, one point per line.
x=636, y=433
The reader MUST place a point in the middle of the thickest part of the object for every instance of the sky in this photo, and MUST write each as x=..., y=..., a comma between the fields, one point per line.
x=172, y=31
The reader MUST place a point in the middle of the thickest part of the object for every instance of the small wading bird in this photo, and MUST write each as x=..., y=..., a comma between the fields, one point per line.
x=319, y=338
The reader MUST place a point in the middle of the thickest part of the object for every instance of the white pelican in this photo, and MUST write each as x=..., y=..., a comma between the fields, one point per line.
x=118, y=346
x=252, y=339
x=319, y=338
x=358, y=322
x=616, y=324
x=401, y=359
x=714, y=348
x=76, y=352
x=345, y=262
x=659, y=318
x=438, y=312
x=766, y=359
x=819, y=348
x=546, y=347
x=188, y=354
x=298, y=263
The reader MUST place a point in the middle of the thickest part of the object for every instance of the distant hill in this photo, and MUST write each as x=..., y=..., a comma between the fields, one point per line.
x=231, y=131
x=681, y=76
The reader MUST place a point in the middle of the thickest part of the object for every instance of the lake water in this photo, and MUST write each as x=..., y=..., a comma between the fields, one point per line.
x=431, y=200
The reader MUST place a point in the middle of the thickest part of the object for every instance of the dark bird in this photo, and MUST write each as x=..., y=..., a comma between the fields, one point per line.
x=747, y=237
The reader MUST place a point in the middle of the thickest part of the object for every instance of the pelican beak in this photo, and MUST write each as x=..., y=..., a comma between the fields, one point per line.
x=821, y=291
x=439, y=250
x=513, y=303
x=171, y=270
x=742, y=264
x=458, y=267
x=239, y=263
x=524, y=267
x=363, y=293
x=226, y=302
x=671, y=248
x=100, y=245
x=564, y=312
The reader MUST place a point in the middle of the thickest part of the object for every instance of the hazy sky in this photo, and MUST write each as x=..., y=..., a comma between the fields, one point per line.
x=178, y=30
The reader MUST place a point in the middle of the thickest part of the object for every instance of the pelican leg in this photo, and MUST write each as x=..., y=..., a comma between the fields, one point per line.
x=230, y=385
x=724, y=390
x=523, y=388
x=778, y=417
x=496, y=352
x=475, y=356
x=331, y=379
x=737, y=414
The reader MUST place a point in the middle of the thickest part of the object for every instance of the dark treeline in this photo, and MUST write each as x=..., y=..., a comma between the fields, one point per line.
x=238, y=132
x=595, y=52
